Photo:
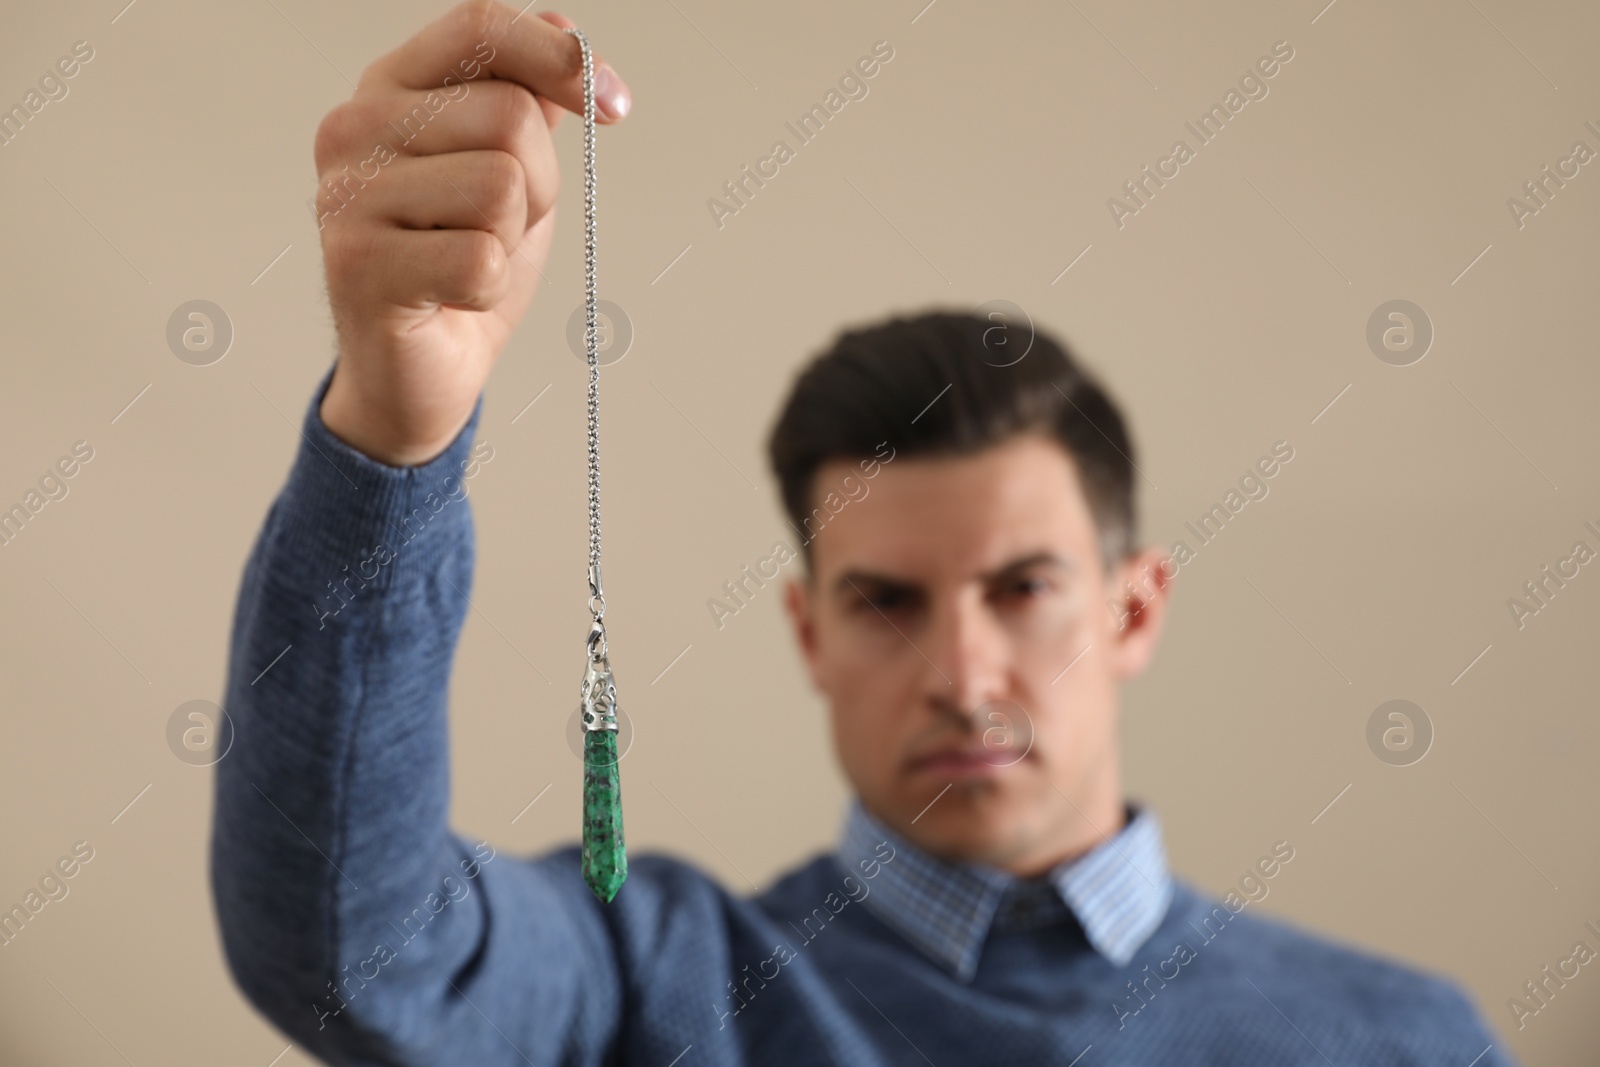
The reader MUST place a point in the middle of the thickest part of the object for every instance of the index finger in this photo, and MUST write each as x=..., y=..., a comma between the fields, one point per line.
x=484, y=38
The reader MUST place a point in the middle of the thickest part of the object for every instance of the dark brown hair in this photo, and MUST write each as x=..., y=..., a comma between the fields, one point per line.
x=952, y=383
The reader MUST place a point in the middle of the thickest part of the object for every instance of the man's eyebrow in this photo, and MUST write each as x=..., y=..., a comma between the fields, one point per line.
x=854, y=579
x=1043, y=558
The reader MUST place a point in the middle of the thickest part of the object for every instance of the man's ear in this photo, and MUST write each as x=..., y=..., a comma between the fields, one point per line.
x=797, y=603
x=1141, y=590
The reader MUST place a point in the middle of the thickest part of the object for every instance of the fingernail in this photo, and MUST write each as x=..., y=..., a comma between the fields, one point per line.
x=610, y=94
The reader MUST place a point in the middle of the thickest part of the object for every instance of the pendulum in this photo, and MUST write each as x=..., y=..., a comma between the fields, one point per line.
x=605, y=860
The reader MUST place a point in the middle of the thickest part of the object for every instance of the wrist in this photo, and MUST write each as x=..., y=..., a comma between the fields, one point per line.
x=360, y=423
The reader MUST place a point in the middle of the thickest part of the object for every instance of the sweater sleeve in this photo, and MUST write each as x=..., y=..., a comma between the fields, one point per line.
x=350, y=913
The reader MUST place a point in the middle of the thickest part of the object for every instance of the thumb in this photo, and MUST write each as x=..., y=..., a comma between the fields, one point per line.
x=553, y=113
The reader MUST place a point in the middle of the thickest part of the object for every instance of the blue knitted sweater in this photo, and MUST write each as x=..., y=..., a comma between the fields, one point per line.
x=362, y=926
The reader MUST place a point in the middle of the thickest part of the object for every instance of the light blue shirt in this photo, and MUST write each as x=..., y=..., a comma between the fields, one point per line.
x=1118, y=892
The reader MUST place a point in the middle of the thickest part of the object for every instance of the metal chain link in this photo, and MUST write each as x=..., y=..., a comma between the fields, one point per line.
x=599, y=691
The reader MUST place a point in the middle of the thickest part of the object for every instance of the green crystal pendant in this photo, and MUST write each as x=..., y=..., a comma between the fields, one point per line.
x=605, y=860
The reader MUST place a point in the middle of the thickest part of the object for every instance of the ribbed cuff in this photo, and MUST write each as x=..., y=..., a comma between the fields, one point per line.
x=344, y=515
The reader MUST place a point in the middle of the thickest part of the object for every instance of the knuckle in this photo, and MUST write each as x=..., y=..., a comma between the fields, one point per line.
x=347, y=131
x=481, y=260
x=525, y=134
x=335, y=134
x=545, y=192
x=372, y=73
x=345, y=252
x=501, y=181
x=486, y=18
x=518, y=111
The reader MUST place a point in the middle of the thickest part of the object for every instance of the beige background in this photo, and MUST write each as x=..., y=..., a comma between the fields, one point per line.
x=1226, y=316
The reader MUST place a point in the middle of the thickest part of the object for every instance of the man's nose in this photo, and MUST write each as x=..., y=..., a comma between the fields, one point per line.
x=969, y=657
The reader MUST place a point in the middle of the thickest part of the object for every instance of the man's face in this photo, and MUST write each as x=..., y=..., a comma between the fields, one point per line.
x=960, y=623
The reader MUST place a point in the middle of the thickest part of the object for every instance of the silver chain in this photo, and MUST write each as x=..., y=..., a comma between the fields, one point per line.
x=599, y=691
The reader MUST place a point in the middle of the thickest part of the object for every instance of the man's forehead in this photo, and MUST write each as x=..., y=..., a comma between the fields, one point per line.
x=970, y=514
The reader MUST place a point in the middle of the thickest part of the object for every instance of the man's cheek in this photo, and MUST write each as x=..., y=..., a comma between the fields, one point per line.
x=855, y=745
x=1070, y=739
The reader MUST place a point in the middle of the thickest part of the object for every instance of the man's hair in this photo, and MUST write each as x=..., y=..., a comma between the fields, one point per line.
x=933, y=384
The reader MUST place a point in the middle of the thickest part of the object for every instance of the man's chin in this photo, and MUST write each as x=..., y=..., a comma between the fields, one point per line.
x=983, y=820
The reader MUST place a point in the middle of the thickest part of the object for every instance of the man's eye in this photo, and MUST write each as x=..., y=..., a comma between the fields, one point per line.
x=886, y=601
x=1026, y=588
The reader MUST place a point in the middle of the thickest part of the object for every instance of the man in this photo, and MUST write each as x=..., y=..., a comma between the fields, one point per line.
x=993, y=898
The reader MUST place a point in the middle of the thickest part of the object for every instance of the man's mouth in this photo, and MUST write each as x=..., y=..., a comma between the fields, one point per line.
x=965, y=761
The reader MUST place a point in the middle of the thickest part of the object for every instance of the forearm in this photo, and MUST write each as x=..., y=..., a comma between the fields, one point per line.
x=332, y=805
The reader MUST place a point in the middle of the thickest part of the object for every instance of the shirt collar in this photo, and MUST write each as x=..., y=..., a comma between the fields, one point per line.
x=1118, y=891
